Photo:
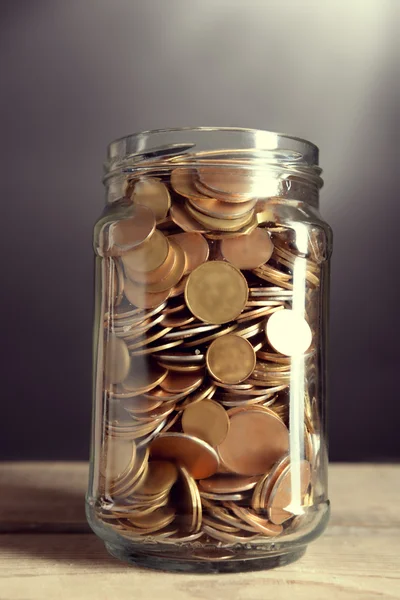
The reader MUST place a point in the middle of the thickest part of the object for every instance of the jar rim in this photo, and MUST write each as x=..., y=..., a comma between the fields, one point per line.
x=185, y=146
x=262, y=139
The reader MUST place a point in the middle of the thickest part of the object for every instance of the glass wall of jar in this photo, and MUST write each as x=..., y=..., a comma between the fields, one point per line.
x=209, y=442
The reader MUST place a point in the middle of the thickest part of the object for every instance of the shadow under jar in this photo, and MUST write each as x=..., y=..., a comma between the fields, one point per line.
x=212, y=279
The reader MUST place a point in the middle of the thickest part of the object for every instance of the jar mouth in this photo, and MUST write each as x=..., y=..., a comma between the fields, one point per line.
x=211, y=146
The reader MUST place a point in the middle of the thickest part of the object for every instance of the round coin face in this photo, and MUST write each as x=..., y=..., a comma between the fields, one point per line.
x=255, y=441
x=206, y=420
x=132, y=232
x=248, y=251
x=199, y=458
x=154, y=195
x=230, y=359
x=216, y=292
x=195, y=247
x=288, y=333
x=148, y=256
x=117, y=361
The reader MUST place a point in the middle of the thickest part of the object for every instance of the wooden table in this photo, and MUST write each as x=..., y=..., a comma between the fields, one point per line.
x=48, y=553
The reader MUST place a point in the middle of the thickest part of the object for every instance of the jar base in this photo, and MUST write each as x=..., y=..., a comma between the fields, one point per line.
x=218, y=560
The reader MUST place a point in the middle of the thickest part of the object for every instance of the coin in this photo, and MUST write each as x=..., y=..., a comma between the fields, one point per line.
x=216, y=292
x=199, y=458
x=219, y=525
x=118, y=457
x=230, y=359
x=152, y=349
x=160, y=477
x=113, y=281
x=228, y=538
x=202, y=394
x=280, y=499
x=259, y=524
x=144, y=376
x=288, y=333
x=226, y=484
x=153, y=276
x=188, y=501
x=174, y=275
x=156, y=520
x=181, y=382
x=206, y=420
x=254, y=442
x=221, y=210
x=248, y=251
x=117, y=361
x=148, y=256
x=237, y=184
x=153, y=194
x=216, y=333
x=195, y=247
x=184, y=220
x=146, y=339
x=129, y=233
x=138, y=295
x=219, y=224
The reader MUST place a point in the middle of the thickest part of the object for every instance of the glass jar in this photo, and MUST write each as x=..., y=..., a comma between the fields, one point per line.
x=209, y=447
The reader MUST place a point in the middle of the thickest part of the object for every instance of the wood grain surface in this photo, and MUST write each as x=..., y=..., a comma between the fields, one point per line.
x=47, y=551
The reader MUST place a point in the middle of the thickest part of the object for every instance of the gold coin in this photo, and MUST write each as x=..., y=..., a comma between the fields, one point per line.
x=138, y=405
x=181, y=217
x=129, y=233
x=153, y=194
x=255, y=441
x=281, y=500
x=259, y=524
x=118, y=458
x=113, y=282
x=202, y=394
x=153, y=276
x=195, y=247
x=248, y=251
x=222, y=235
x=229, y=538
x=216, y=292
x=148, y=256
x=143, y=376
x=233, y=184
x=219, y=224
x=218, y=332
x=149, y=339
x=288, y=333
x=138, y=296
x=219, y=525
x=156, y=520
x=264, y=486
x=220, y=209
x=206, y=420
x=249, y=315
x=199, y=458
x=117, y=360
x=160, y=477
x=181, y=382
x=227, y=484
x=185, y=332
x=188, y=501
x=174, y=275
x=133, y=476
x=156, y=348
x=230, y=359
x=179, y=288
x=178, y=319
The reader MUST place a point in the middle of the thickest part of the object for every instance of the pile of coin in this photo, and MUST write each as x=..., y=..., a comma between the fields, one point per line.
x=207, y=305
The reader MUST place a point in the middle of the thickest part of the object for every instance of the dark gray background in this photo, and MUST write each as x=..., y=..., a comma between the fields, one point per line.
x=76, y=74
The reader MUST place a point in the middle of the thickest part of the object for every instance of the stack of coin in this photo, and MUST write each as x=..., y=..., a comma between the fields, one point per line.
x=200, y=334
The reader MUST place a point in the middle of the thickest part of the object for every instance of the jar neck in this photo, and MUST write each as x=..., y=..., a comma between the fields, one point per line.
x=284, y=166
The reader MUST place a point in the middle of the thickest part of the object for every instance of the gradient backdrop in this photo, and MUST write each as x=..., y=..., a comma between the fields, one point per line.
x=76, y=74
